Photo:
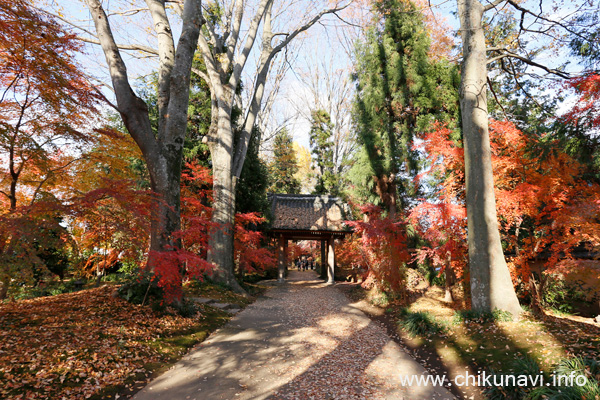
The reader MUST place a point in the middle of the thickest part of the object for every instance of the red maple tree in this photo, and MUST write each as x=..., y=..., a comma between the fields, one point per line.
x=545, y=208
x=46, y=104
x=189, y=261
x=383, y=249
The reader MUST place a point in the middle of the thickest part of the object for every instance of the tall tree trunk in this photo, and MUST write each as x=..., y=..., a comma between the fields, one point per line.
x=162, y=150
x=491, y=284
x=4, y=283
x=165, y=181
x=225, y=55
x=385, y=187
x=221, y=251
x=449, y=275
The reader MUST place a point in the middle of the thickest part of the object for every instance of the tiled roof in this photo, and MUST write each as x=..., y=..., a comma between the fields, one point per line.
x=308, y=212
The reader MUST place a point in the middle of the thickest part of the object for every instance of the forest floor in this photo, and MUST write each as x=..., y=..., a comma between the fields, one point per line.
x=446, y=344
x=91, y=344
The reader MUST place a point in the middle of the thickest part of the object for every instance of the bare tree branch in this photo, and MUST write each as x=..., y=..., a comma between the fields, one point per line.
x=106, y=100
x=128, y=102
x=496, y=98
x=126, y=47
x=507, y=53
x=201, y=74
x=166, y=50
x=539, y=16
x=493, y=4
x=240, y=61
x=93, y=39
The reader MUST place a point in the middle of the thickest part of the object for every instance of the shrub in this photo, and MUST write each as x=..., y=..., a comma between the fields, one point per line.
x=379, y=297
x=421, y=323
x=129, y=266
x=431, y=274
x=254, y=277
x=560, y=295
x=522, y=366
x=64, y=287
x=382, y=249
x=187, y=309
x=140, y=287
x=529, y=367
x=25, y=292
x=579, y=366
x=481, y=316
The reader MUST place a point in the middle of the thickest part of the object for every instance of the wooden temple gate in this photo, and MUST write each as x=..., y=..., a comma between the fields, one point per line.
x=308, y=217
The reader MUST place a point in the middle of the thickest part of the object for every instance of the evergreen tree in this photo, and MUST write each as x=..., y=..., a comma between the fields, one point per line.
x=322, y=149
x=254, y=180
x=252, y=185
x=585, y=38
x=399, y=92
x=284, y=165
x=199, y=118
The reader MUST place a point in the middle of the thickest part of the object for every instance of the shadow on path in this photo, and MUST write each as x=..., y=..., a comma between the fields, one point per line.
x=301, y=340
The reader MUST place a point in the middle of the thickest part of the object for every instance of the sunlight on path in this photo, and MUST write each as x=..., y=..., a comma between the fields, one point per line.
x=303, y=340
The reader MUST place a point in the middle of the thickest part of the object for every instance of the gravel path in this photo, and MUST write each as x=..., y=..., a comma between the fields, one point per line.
x=303, y=340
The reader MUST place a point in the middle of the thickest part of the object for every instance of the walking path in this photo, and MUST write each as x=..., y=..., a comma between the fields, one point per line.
x=302, y=340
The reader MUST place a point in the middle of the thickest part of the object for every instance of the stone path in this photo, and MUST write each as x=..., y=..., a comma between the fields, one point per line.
x=302, y=340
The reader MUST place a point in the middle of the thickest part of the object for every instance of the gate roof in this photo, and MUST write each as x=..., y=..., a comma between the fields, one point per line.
x=305, y=213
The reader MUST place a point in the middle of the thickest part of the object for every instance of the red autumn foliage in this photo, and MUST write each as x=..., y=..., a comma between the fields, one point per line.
x=46, y=103
x=189, y=261
x=442, y=223
x=586, y=108
x=250, y=255
x=350, y=253
x=46, y=109
x=545, y=195
x=115, y=216
x=296, y=251
x=383, y=249
x=101, y=262
x=543, y=203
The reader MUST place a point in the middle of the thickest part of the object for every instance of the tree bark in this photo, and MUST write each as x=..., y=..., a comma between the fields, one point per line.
x=4, y=283
x=220, y=251
x=385, y=187
x=224, y=71
x=491, y=284
x=162, y=152
x=449, y=275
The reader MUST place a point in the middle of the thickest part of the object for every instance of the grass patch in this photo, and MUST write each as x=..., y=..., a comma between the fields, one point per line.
x=420, y=323
x=574, y=378
x=463, y=339
x=462, y=316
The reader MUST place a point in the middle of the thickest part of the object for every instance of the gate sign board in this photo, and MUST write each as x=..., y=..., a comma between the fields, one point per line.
x=308, y=217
